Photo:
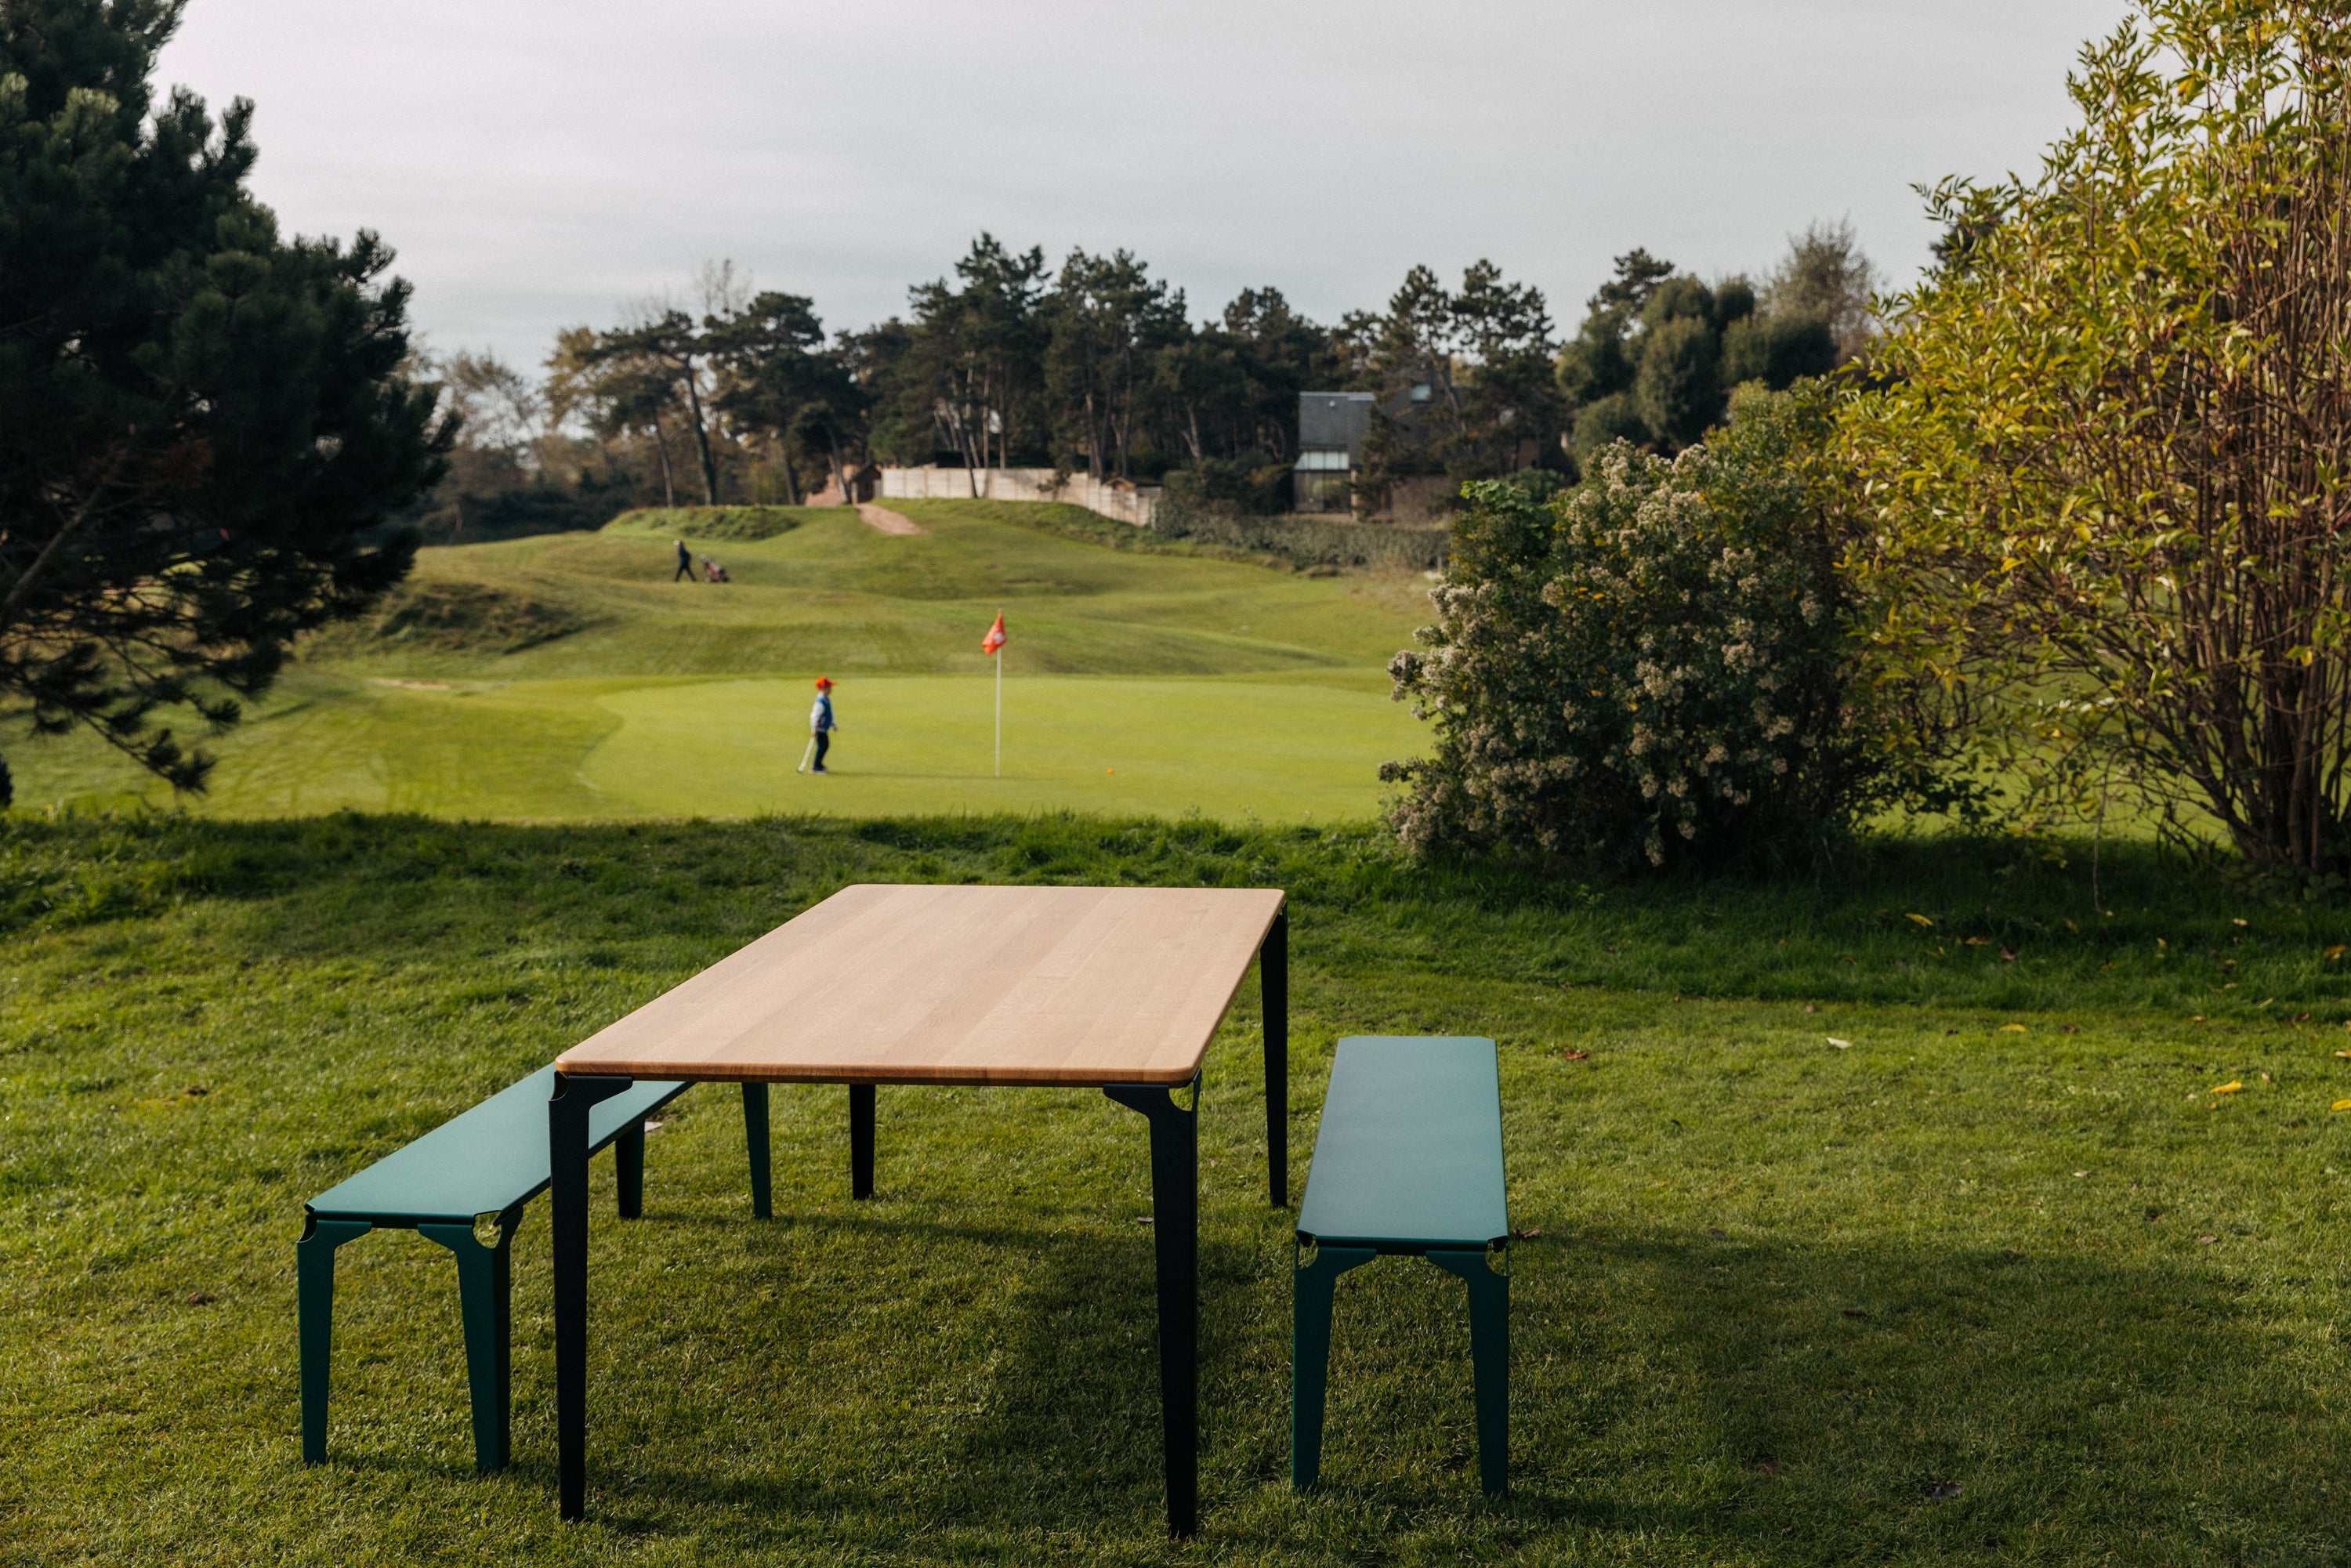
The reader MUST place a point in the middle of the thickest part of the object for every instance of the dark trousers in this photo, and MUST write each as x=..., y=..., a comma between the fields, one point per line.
x=823, y=745
x=684, y=569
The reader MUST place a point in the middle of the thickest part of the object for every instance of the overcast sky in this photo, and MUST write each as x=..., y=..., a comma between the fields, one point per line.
x=536, y=164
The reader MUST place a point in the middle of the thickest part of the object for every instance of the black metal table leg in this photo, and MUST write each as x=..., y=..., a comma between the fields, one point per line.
x=567, y=1141
x=861, y=1139
x=1273, y=982
x=754, y=1143
x=1175, y=1240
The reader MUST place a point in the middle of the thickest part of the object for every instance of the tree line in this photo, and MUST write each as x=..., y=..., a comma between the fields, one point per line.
x=732, y=393
x=2073, y=542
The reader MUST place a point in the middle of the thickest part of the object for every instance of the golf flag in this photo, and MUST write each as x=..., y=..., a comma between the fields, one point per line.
x=993, y=645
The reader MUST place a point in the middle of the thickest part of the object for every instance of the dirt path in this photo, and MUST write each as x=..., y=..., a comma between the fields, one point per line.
x=886, y=521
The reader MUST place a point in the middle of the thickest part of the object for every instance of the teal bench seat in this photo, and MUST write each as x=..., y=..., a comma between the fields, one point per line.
x=493, y=1159
x=1409, y=1160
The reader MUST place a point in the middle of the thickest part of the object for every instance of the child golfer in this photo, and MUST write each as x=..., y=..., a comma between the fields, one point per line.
x=820, y=720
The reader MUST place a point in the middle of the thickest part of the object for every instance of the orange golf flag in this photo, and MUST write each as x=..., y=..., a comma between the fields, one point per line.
x=995, y=638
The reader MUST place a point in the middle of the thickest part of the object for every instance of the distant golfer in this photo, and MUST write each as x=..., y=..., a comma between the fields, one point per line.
x=820, y=720
x=684, y=563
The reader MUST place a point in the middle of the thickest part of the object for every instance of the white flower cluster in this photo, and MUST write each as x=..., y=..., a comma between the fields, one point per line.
x=1653, y=660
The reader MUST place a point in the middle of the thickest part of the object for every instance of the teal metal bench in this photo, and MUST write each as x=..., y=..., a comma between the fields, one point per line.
x=493, y=1159
x=1409, y=1161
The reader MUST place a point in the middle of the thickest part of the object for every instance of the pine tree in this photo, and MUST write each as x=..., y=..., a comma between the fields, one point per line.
x=203, y=427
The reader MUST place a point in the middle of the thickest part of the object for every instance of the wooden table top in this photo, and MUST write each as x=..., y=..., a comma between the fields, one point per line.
x=891, y=984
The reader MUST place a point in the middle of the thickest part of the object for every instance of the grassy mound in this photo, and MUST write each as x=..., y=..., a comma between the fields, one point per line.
x=1835, y=1214
x=440, y=617
x=732, y=524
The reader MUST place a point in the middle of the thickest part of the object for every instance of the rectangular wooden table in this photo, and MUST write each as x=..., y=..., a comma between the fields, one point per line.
x=1118, y=988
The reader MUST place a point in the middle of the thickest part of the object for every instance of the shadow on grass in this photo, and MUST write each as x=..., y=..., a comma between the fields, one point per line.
x=1069, y=1432
x=1838, y=1402
x=1926, y=921
x=1800, y=1402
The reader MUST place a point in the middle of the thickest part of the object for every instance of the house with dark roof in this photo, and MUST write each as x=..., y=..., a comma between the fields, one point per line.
x=1332, y=427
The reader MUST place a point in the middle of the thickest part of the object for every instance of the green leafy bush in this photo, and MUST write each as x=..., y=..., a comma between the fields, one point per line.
x=1304, y=541
x=1653, y=670
x=1254, y=489
x=2107, y=447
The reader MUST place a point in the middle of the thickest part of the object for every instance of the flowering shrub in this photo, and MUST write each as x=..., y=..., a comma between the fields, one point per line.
x=1653, y=669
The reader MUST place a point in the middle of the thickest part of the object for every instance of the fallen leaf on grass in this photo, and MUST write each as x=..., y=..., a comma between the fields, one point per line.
x=1575, y=1056
x=2013, y=1028
x=2265, y=1078
x=1718, y=1235
x=2067, y=1029
x=1976, y=942
x=1840, y=1044
x=2206, y=1240
x=1942, y=1491
x=2343, y=1105
x=1920, y=919
x=199, y=1299
x=2337, y=951
x=2007, y=957
x=1528, y=1234
x=2078, y=1174
x=2231, y=1087
x=1811, y=1009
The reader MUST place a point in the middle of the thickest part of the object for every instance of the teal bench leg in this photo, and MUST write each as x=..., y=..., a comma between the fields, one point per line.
x=1490, y=1357
x=755, y=1133
x=1310, y=1288
x=314, y=1290
x=629, y=1169
x=485, y=1299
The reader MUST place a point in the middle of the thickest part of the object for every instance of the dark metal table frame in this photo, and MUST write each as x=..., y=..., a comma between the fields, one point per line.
x=1176, y=1229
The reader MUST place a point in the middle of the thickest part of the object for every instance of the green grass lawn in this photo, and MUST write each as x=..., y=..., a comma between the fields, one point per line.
x=1277, y=749
x=1836, y=1208
x=565, y=676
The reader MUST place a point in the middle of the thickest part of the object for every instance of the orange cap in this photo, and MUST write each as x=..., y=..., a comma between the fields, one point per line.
x=824, y=683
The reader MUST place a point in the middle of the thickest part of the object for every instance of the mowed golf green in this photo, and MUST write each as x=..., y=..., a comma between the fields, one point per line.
x=567, y=677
